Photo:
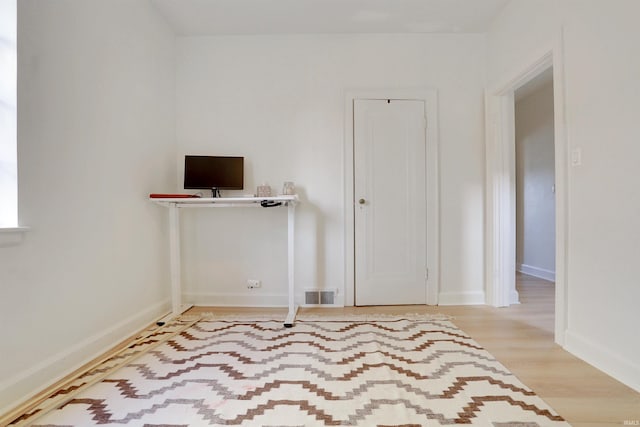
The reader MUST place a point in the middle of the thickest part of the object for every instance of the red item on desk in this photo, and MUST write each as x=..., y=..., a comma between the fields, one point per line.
x=172, y=196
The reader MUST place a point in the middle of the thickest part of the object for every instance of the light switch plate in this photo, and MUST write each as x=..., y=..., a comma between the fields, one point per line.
x=576, y=157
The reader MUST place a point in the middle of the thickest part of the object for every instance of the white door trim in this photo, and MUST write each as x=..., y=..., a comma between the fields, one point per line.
x=429, y=97
x=500, y=184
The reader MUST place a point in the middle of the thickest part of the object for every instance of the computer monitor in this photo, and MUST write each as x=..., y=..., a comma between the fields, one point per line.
x=213, y=173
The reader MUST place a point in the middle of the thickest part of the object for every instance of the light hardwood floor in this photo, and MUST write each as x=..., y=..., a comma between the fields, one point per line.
x=521, y=338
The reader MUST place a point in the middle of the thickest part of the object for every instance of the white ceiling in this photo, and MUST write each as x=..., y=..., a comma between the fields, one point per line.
x=215, y=17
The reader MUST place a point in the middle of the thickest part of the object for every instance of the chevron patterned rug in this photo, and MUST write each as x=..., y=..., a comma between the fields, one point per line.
x=401, y=371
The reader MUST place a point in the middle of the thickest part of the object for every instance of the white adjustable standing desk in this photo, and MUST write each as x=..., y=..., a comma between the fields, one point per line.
x=175, y=204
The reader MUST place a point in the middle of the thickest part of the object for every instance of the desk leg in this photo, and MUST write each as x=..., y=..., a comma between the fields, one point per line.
x=174, y=254
x=291, y=210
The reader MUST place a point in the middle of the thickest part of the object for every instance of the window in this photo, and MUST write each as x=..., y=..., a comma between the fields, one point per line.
x=8, y=115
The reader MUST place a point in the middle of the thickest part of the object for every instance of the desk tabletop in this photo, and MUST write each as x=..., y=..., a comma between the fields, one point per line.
x=211, y=201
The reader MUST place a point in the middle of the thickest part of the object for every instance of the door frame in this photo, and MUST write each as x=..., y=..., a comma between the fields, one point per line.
x=429, y=97
x=500, y=229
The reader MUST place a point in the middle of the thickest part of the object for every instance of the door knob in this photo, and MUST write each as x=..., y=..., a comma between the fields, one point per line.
x=362, y=201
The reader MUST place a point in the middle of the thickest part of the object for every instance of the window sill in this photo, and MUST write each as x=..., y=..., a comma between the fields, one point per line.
x=12, y=236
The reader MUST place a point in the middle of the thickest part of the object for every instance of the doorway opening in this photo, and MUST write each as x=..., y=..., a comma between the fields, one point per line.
x=501, y=243
x=535, y=195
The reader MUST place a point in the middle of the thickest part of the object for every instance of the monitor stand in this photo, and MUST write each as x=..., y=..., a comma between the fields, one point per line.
x=215, y=193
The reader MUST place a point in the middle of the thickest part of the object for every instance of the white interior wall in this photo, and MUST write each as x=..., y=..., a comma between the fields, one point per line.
x=535, y=180
x=601, y=92
x=279, y=101
x=95, y=125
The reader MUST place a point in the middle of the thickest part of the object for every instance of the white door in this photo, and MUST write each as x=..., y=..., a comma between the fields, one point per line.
x=390, y=202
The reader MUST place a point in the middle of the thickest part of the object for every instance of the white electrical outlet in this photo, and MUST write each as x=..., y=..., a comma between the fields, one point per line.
x=252, y=284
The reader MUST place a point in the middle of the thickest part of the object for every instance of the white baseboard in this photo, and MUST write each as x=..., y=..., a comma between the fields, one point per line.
x=624, y=370
x=461, y=298
x=540, y=273
x=24, y=385
x=223, y=299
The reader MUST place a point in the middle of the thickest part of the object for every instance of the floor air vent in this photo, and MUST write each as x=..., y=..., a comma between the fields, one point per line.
x=320, y=297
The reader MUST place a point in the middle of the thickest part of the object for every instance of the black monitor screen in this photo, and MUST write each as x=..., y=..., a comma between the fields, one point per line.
x=206, y=172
